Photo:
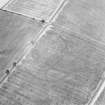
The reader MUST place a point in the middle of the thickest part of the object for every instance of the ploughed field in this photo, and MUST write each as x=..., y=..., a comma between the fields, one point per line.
x=52, y=52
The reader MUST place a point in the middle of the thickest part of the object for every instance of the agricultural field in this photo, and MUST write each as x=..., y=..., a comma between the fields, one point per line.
x=52, y=52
